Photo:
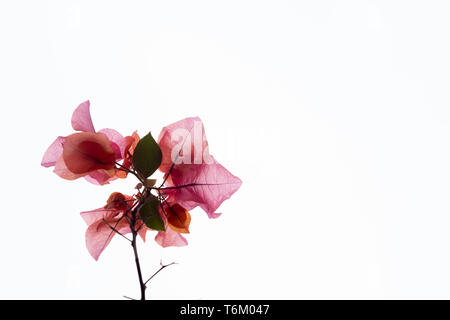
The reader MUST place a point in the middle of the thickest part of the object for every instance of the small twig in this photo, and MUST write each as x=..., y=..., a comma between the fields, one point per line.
x=186, y=186
x=117, y=222
x=162, y=207
x=122, y=168
x=168, y=173
x=114, y=229
x=126, y=297
x=162, y=267
x=193, y=185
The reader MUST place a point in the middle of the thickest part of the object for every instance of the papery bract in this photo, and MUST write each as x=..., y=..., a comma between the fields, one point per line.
x=53, y=153
x=204, y=185
x=183, y=142
x=170, y=238
x=81, y=118
x=116, y=141
x=87, y=151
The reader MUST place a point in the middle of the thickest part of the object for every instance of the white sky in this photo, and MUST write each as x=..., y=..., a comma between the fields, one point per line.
x=335, y=114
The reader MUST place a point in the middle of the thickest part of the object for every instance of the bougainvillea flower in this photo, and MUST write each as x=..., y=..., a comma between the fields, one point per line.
x=101, y=221
x=192, y=182
x=71, y=162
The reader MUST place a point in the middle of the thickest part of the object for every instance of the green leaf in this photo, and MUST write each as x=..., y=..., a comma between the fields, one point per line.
x=150, y=214
x=147, y=156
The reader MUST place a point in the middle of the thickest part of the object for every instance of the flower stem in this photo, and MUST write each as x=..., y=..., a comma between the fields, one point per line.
x=136, y=256
x=138, y=267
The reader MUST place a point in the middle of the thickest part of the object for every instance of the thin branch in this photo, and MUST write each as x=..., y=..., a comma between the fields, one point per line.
x=162, y=207
x=114, y=229
x=187, y=185
x=168, y=173
x=162, y=267
x=110, y=234
x=194, y=185
x=122, y=168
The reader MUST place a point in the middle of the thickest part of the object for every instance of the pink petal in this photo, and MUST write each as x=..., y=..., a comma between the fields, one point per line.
x=85, y=152
x=100, y=177
x=99, y=235
x=170, y=238
x=142, y=231
x=95, y=215
x=205, y=185
x=81, y=118
x=62, y=170
x=117, y=141
x=187, y=136
x=53, y=152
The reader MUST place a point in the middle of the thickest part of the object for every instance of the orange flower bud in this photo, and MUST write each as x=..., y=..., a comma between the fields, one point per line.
x=178, y=218
x=116, y=201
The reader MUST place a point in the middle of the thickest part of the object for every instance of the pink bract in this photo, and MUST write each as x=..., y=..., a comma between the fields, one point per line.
x=188, y=136
x=204, y=185
x=81, y=118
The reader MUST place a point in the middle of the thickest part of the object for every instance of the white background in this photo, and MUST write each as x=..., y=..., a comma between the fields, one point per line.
x=335, y=114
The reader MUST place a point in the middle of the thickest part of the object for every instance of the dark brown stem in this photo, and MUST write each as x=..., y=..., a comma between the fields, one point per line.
x=114, y=229
x=190, y=185
x=136, y=256
x=162, y=267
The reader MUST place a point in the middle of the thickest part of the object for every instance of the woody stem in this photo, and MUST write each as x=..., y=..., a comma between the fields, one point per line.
x=136, y=256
